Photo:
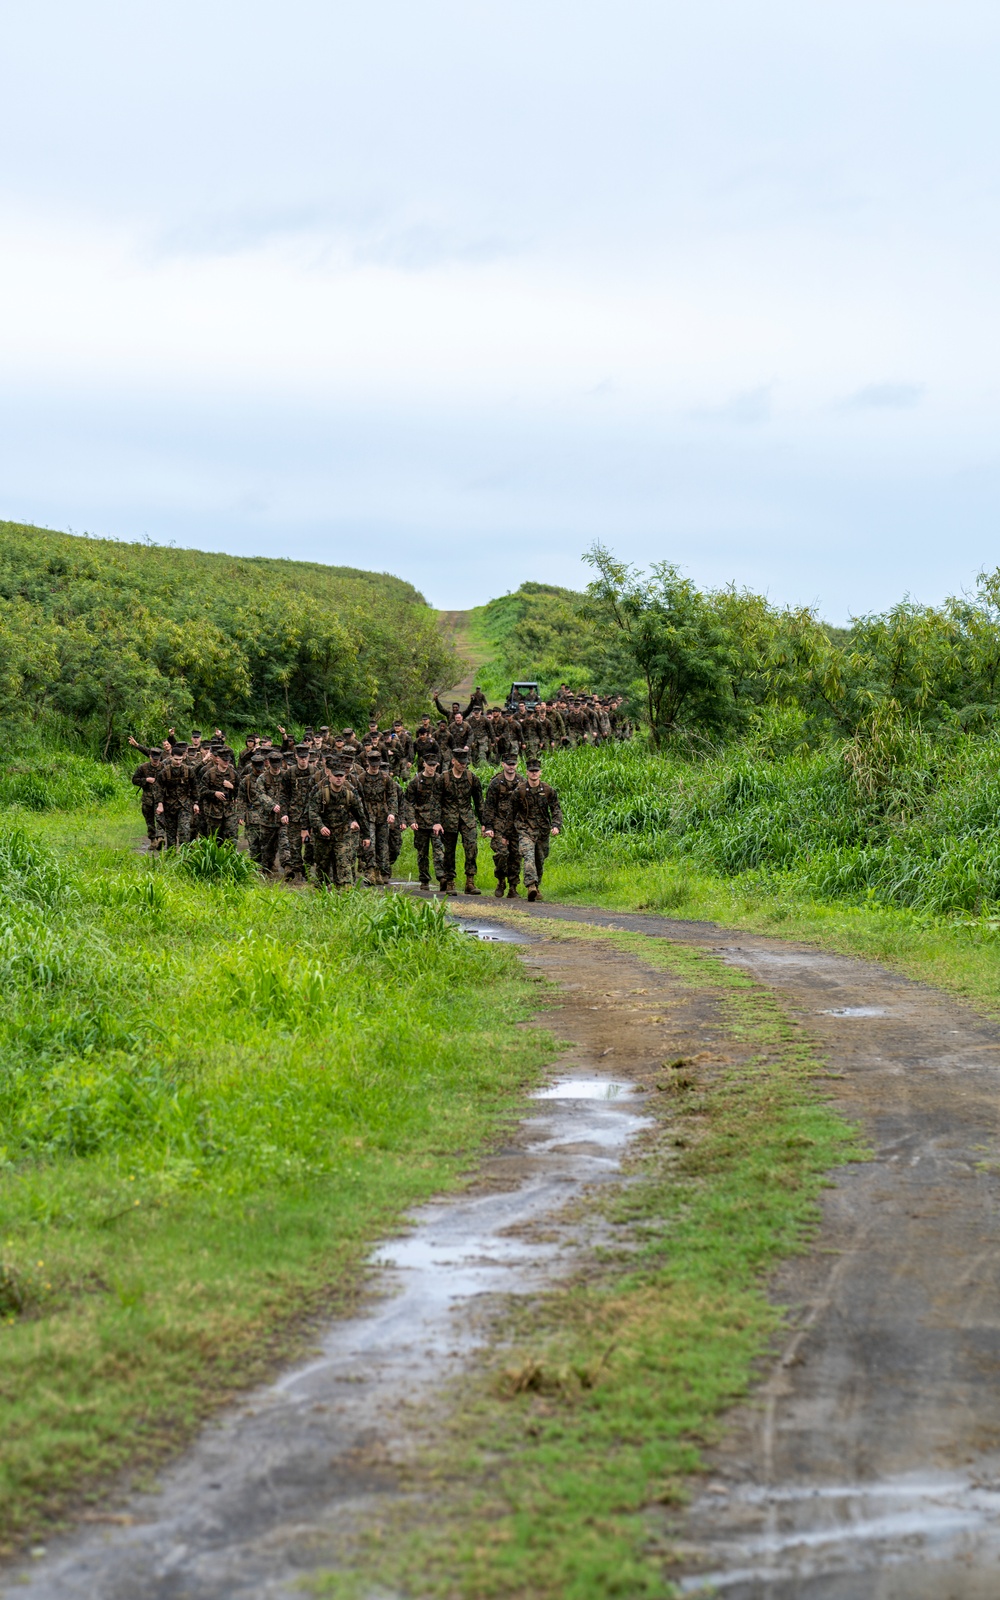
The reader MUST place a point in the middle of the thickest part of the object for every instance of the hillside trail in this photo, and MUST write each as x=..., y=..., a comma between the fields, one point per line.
x=866, y=1462
x=455, y=626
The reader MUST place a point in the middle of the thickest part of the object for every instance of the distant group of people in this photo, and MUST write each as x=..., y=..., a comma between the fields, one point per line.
x=333, y=808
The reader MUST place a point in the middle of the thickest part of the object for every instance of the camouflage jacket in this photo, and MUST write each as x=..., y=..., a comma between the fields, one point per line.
x=336, y=809
x=268, y=793
x=141, y=778
x=461, y=800
x=175, y=788
x=296, y=788
x=537, y=810
x=211, y=780
x=498, y=805
x=422, y=801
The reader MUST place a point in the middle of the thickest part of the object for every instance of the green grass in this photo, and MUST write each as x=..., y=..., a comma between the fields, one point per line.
x=575, y=1440
x=214, y=1096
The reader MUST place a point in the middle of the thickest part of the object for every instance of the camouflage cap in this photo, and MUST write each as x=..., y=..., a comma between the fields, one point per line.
x=534, y=765
x=461, y=756
x=274, y=755
x=156, y=754
x=179, y=749
x=302, y=750
x=258, y=758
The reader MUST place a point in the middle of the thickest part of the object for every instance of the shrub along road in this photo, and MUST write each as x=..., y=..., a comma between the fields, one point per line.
x=554, y=1440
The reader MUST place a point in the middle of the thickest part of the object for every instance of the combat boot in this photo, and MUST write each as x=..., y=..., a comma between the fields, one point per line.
x=532, y=893
x=498, y=891
x=425, y=887
x=470, y=886
x=449, y=887
x=512, y=893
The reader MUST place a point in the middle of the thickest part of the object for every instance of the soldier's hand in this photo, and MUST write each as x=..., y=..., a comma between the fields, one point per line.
x=305, y=834
x=284, y=822
x=275, y=809
x=437, y=828
x=132, y=741
x=325, y=832
x=150, y=780
x=226, y=783
x=366, y=843
x=487, y=833
x=159, y=809
x=390, y=819
x=555, y=830
x=196, y=810
x=414, y=826
x=220, y=794
x=355, y=828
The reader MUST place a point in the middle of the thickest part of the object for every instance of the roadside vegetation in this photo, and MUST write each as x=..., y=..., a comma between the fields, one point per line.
x=100, y=639
x=215, y=1095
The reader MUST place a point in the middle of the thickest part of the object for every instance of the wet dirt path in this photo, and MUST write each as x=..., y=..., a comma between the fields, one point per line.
x=867, y=1463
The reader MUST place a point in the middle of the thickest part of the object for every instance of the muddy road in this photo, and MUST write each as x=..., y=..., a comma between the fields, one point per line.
x=866, y=1463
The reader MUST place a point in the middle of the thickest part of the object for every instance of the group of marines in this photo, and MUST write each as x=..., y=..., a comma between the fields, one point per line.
x=336, y=807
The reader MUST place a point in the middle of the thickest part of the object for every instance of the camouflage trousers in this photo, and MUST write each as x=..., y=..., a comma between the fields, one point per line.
x=154, y=825
x=395, y=844
x=263, y=840
x=222, y=829
x=533, y=853
x=506, y=859
x=176, y=827
x=469, y=835
x=426, y=842
x=295, y=854
x=335, y=858
x=376, y=857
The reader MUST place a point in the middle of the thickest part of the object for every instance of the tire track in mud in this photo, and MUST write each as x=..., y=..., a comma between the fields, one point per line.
x=867, y=1461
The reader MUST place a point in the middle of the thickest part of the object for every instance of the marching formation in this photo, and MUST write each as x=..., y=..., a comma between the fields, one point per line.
x=334, y=808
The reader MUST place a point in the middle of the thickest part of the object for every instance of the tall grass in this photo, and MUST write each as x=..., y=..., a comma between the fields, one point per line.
x=916, y=825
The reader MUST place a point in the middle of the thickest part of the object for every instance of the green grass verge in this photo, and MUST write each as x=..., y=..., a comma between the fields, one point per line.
x=572, y=1444
x=214, y=1097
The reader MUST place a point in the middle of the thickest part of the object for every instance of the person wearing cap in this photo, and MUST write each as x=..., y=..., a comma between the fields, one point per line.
x=461, y=816
x=423, y=814
x=423, y=740
x=144, y=777
x=269, y=807
x=500, y=828
x=377, y=793
x=295, y=845
x=249, y=803
x=176, y=797
x=395, y=840
x=337, y=823
x=479, y=737
x=217, y=783
x=538, y=818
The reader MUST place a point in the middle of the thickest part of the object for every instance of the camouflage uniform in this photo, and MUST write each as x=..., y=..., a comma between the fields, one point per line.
x=480, y=738
x=536, y=812
x=336, y=809
x=269, y=799
x=174, y=790
x=498, y=815
x=423, y=807
x=218, y=817
x=144, y=777
x=377, y=792
x=249, y=806
x=296, y=853
x=461, y=810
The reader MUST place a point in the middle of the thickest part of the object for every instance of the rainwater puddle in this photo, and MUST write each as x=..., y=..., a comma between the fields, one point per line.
x=264, y=1496
x=491, y=932
x=790, y=1542
x=856, y=1011
x=585, y=1089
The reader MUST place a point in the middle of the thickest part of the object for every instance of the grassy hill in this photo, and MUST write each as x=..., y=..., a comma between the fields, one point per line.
x=102, y=638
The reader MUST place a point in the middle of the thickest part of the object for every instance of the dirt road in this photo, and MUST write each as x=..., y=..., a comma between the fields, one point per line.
x=455, y=626
x=868, y=1461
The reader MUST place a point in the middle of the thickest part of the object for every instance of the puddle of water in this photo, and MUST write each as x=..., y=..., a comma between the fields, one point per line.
x=492, y=932
x=788, y=1541
x=856, y=1011
x=262, y=1497
x=585, y=1089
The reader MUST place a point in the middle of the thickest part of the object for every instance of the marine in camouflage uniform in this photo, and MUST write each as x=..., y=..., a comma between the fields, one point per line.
x=249, y=803
x=537, y=816
x=397, y=824
x=144, y=777
x=269, y=796
x=423, y=815
x=499, y=827
x=461, y=811
x=295, y=846
x=377, y=793
x=338, y=824
x=176, y=798
x=480, y=738
x=217, y=786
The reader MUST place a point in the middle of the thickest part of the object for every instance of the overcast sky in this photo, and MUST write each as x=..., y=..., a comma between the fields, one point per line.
x=453, y=289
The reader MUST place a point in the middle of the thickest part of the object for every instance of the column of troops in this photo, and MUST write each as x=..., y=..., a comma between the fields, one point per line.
x=334, y=808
